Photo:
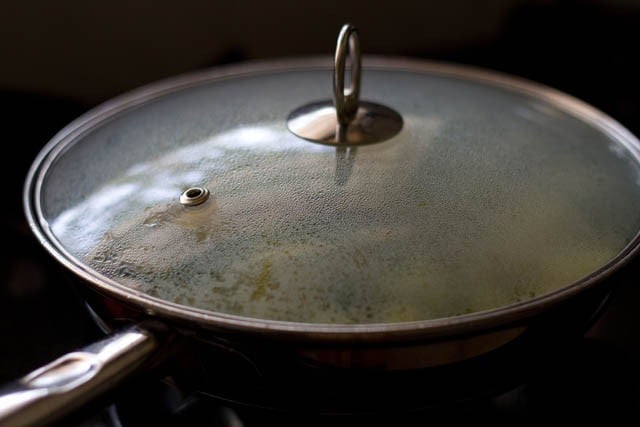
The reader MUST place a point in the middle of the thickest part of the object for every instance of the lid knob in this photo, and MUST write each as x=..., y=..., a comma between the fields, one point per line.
x=345, y=120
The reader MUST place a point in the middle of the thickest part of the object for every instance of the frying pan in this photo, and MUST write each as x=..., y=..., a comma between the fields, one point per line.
x=563, y=147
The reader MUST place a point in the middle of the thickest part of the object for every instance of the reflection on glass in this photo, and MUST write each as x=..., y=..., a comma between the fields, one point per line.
x=345, y=158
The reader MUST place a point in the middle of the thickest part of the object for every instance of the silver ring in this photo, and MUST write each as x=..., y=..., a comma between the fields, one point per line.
x=346, y=101
x=194, y=196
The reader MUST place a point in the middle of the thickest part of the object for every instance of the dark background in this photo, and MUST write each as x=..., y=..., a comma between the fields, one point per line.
x=60, y=58
x=87, y=52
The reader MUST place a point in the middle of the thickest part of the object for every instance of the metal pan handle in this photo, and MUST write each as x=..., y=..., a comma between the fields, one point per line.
x=71, y=381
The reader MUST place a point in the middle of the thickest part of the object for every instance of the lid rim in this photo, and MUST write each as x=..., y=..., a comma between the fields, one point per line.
x=332, y=332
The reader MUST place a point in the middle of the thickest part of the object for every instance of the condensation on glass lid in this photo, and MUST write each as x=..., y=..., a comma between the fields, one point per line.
x=485, y=198
x=289, y=249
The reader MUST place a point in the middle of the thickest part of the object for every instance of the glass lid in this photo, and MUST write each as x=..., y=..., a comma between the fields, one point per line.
x=487, y=192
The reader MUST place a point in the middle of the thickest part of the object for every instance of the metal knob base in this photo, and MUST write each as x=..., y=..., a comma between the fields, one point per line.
x=318, y=122
x=345, y=120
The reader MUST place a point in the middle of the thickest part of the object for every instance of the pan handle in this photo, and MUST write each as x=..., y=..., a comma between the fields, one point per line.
x=74, y=379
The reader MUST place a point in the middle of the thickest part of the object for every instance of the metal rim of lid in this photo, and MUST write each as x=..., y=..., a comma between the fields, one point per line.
x=385, y=332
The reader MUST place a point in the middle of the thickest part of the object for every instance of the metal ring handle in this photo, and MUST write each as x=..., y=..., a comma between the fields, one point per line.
x=346, y=101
